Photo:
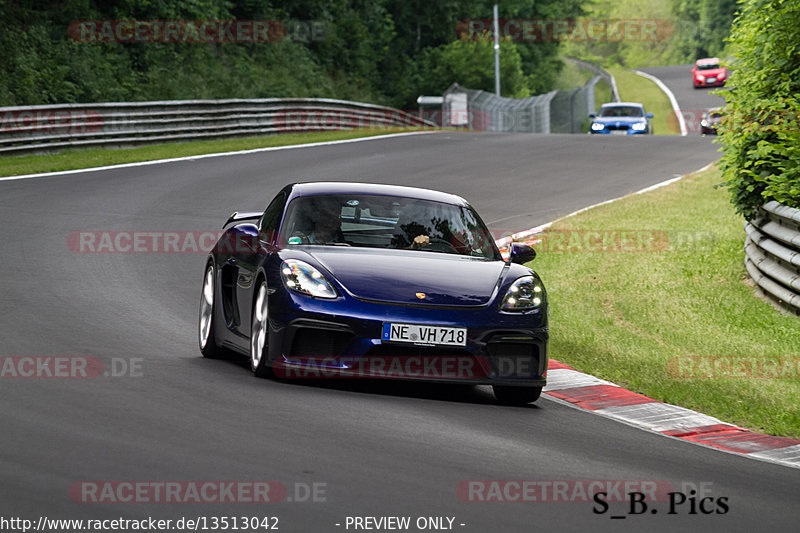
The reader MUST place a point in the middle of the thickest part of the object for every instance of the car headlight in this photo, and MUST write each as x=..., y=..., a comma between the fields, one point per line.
x=305, y=279
x=639, y=126
x=596, y=126
x=524, y=294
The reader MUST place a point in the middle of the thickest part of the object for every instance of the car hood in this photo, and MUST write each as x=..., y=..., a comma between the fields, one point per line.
x=619, y=120
x=397, y=276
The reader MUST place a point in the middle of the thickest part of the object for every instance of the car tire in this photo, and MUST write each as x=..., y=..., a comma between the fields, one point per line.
x=205, y=322
x=259, y=333
x=516, y=395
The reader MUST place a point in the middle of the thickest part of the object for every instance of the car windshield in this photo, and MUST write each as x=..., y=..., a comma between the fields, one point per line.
x=708, y=66
x=621, y=111
x=378, y=221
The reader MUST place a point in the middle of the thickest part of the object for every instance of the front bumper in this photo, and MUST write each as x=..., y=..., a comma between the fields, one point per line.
x=704, y=83
x=627, y=131
x=342, y=339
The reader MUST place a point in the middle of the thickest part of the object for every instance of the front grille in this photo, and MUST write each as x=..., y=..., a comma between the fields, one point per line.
x=318, y=343
x=514, y=358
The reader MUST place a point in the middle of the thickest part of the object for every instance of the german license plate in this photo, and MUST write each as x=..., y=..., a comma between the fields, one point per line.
x=619, y=132
x=419, y=334
x=711, y=80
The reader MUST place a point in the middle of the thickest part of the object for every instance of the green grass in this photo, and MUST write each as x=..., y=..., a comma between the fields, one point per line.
x=626, y=315
x=572, y=76
x=634, y=88
x=97, y=157
x=602, y=93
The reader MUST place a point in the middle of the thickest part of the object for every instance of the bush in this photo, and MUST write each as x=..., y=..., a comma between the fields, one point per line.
x=761, y=130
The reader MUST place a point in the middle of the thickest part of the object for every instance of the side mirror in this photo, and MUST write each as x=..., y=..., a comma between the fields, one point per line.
x=591, y=115
x=247, y=238
x=520, y=253
x=649, y=115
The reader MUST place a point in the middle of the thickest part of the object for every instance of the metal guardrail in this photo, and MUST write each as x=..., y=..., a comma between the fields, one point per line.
x=50, y=127
x=772, y=253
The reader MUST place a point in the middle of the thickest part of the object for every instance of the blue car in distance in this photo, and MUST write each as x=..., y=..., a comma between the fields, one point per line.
x=621, y=118
x=376, y=281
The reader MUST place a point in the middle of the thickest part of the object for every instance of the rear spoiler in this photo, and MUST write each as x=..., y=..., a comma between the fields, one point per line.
x=236, y=216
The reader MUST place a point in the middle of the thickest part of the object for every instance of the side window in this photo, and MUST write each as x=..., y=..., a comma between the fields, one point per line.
x=271, y=219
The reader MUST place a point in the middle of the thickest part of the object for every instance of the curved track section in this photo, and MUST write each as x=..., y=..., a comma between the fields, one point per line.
x=692, y=102
x=373, y=449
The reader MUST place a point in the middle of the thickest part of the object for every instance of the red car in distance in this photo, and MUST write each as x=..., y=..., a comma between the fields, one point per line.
x=709, y=73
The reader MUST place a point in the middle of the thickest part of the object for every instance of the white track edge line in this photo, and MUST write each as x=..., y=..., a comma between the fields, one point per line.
x=205, y=156
x=673, y=102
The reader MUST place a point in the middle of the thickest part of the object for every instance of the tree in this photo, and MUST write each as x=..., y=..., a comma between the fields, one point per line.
x=470, y=63
x=703, y=26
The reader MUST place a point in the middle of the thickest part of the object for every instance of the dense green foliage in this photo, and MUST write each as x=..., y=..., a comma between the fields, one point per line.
x=703, y=26
x=685, y=30
x=761, y=130
x=383, y=51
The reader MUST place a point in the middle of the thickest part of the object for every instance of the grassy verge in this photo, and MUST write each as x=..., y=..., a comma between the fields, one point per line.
x=665, y=310
x=572, y=76
x=602, y=93
x=98, y=157
x=634, y=88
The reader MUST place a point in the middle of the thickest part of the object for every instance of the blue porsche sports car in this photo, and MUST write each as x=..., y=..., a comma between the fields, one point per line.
x=380, y=281
x=621, y=118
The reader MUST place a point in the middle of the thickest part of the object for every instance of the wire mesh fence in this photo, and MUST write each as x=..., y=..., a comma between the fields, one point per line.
x=554, y=112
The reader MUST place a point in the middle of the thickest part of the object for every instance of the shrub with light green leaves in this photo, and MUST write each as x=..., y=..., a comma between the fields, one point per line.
x=760, y=132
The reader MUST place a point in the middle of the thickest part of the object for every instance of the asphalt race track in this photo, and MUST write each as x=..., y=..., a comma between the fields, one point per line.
x=372, y=448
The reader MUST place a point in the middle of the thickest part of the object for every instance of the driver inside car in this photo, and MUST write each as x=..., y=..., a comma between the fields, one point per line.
x=324, y=222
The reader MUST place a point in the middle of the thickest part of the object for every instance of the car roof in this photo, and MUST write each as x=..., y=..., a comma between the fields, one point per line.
x=340, y=187
x=622, y=104
x=708, y=61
